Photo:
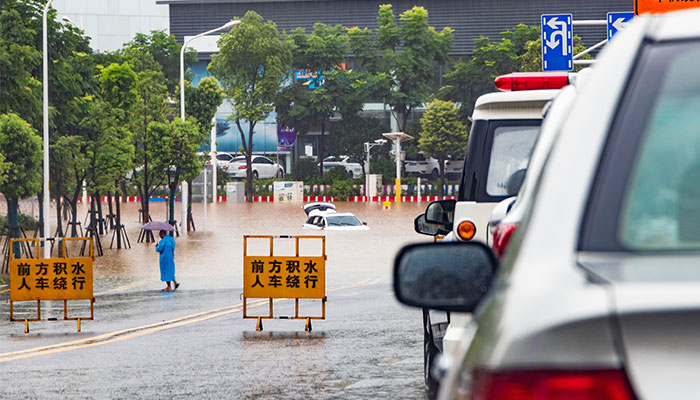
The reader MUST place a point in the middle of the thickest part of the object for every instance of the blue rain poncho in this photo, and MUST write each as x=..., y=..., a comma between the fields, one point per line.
x=166, y=248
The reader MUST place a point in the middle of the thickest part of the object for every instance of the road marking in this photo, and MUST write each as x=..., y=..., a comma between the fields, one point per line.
x=4, y=291
x=138, y=331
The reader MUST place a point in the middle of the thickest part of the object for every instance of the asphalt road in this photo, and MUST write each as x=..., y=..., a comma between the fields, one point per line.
x=194, y=343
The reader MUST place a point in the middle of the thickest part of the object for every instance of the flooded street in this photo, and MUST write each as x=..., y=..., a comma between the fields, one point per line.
x=194, y=342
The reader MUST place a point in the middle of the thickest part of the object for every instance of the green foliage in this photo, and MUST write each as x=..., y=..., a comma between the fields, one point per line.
x=118, y=85
x=386, y=167
x=201, y=102
x=27, y=222
x=21, y=148
x=252, y=64
x=304, y=170
x=159, y=51
x=531, y=59
x=335, y=174
x=175, y=145
x=470, y=79
x=349, y=135
x=401, y=58
x=342, y=189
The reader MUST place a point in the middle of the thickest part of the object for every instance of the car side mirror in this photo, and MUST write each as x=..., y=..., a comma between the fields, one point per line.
x=441, y=212
x=449, y=276
x=420, y=225
x=364, y=223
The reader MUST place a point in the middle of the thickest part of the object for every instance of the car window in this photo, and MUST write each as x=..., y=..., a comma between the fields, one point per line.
x=343, y=220
x=223, y=157
x=353, y=160
x=264, y=160
x=238, y=159
x=661, y=209
x=510, y=154
x=331, y=159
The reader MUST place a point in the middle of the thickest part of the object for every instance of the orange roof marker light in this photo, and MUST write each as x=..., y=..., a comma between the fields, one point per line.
x=662, y=6
x=531, y=81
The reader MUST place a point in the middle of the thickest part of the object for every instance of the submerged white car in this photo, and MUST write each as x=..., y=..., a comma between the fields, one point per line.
x=323, y=216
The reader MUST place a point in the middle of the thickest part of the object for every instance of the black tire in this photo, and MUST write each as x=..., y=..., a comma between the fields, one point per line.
x=430, y=353
x=255, y=175
x=280, y=174
x=350, y=175
x=434, y=175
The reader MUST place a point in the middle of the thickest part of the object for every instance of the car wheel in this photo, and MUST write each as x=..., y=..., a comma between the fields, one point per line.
x=280, y=174
x=430, y=353
x=350, y=175
x=255, y=175
x=434, y=175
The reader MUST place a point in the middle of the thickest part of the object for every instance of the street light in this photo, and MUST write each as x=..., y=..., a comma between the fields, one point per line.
x=398, y=137
x=227, y=25
x=45, y=84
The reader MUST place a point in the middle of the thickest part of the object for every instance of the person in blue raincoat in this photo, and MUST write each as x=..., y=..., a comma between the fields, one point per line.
x=166, y=248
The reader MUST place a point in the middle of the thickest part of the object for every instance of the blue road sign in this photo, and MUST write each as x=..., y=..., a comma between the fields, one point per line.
x=617, y=22
x=557, y=42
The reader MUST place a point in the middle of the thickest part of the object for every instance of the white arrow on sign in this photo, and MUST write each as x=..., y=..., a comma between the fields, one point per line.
x=619, y=24
x=559, y=30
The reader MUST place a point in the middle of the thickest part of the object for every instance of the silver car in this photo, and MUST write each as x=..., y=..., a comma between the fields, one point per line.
x=599, y=291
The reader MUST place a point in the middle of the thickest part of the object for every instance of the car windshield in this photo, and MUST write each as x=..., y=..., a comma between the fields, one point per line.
x=661, y=208
x=343, y=220
x=510, y=154
x=223, y=157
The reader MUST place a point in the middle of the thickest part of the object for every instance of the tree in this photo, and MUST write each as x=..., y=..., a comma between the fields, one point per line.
x=164, y=51
x=21, y=148
x=201, y=103
x=442, y=134
x=402, y=58
x=151, y=105
x=350, y=134
x=252, y=64
x=331, y=89
x=175, y=153
x=531, y=59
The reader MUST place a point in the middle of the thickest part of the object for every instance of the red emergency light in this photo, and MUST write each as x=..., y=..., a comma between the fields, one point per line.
x=531, y=81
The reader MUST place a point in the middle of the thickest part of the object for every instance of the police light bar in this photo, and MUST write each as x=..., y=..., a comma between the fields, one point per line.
x=531, y=81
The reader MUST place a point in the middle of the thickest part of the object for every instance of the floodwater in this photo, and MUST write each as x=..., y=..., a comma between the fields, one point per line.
x=369, y=346
x=212, y=257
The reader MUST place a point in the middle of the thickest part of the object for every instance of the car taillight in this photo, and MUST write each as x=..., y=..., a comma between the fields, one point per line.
x=605, y=384
x=242, y=166
x=531, y=81
x=501, y=237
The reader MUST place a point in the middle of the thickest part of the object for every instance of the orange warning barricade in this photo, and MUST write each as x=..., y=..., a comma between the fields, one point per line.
x=295, y=277
x=64, y=278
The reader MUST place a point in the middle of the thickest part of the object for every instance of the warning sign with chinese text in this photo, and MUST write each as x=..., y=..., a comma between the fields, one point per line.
x=284, y=277
x=51, y=279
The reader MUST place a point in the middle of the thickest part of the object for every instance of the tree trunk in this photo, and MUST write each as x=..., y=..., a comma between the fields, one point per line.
x=13, y=223
x=59, y=220
x=100, y=218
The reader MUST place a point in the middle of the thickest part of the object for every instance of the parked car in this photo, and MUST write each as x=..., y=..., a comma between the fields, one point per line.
x=319, y=206
x=453, y=167
x=352, y=165
x=423, y=167
x=596, y=296
x=334, y=221
x=263, y=168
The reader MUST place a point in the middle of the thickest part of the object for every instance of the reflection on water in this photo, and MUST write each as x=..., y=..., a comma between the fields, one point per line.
x=213, y=258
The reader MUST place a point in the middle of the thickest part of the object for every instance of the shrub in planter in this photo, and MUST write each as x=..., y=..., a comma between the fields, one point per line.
x=305, y=169
x=342, y=189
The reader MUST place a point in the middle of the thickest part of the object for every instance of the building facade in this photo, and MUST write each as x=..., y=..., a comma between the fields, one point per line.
x=470, y=19
x=111, y=23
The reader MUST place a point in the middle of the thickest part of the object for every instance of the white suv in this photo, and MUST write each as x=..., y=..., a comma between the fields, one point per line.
x=352, y=165
x=423, y=167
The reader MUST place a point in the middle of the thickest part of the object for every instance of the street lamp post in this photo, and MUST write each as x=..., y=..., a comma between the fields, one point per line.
x=368, y=147
x=227, y=25
x=398, y=137
x=45, y=84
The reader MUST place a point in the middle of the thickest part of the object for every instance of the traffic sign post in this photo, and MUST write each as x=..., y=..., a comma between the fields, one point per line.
x=617, y=21
x=557, y=42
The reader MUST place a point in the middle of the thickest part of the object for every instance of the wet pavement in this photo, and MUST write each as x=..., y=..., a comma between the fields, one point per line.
x=194, y=343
